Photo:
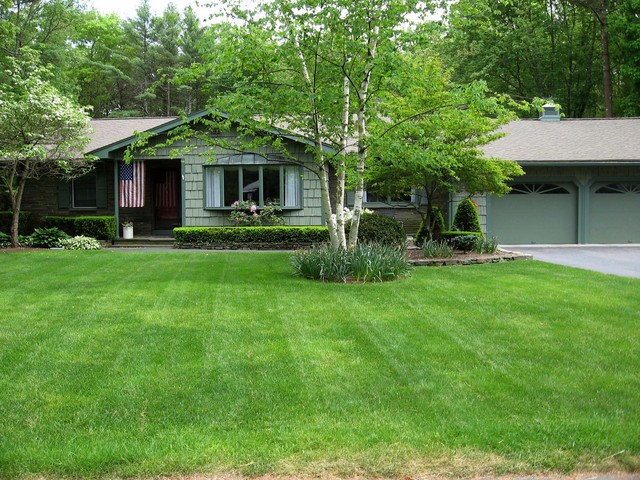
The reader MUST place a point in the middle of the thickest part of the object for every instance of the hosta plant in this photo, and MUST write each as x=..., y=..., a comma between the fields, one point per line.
x=80, y=243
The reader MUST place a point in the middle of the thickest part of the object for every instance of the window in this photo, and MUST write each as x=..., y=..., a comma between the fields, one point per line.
x=371, y=197
x=539, y=188
x=83, y=191
x=620, y=188
x=261, y=184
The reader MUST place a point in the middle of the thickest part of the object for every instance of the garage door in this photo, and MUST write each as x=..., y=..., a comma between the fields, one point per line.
x=614, y=213
x=535, y=213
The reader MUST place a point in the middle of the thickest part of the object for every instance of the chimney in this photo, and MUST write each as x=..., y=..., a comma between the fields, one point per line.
x=549, y=113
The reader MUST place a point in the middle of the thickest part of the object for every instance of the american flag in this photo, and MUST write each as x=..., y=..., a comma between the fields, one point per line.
x=166, y=193
x=132, y=184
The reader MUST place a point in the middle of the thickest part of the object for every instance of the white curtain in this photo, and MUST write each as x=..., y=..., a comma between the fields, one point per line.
x=292, y=187
x=213, y=177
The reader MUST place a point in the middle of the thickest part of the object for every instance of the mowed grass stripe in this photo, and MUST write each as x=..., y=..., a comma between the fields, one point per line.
x=137, y=363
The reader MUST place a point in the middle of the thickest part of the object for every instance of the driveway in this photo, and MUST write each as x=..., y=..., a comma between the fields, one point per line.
x=622, y=260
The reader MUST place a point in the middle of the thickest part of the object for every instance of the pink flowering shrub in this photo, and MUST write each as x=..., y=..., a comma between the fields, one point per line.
x=248, y=214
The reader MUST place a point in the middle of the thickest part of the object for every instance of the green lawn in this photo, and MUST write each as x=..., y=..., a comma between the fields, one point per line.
x=141, y=364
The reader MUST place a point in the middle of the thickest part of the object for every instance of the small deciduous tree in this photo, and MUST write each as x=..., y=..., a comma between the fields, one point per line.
x=41, y=132
x=429, y=136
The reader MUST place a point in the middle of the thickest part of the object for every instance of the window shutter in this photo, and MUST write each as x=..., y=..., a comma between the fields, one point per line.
x=64, y=193
x=101, y=185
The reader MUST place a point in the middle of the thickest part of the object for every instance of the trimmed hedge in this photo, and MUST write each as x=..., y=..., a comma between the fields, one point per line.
x=26, y=222
x=464, y=241
x=100, y=227
x=466, y=218
x=229, y=236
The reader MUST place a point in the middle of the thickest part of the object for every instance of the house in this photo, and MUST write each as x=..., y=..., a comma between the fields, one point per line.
x=582, y=182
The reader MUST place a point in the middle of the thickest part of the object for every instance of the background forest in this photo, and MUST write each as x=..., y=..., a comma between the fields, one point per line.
x=584, y=54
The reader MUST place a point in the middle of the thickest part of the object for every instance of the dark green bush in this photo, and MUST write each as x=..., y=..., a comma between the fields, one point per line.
x=464, y=241
x=5, y=240
x=376, y=228
x=100, y=227
x=423, y=232
x=466, y=218
x=26, y=222
x=47, y=237
x=199, y=236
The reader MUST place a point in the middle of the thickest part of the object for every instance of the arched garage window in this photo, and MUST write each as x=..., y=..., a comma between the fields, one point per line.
x=620, y=188
x=539, y=188
x=262, y=184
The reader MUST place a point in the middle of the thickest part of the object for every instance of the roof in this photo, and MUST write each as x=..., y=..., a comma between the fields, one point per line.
x=615, y=140
x=110, y=131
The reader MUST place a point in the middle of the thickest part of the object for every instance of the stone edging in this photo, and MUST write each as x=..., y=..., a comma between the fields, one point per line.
x=499, y=257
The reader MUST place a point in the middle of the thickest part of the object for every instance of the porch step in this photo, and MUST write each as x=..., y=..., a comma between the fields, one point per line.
x=143, y=242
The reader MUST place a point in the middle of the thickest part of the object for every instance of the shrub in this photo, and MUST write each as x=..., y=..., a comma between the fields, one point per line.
x=5, y=240
x=80, y=242
x=466, y=218
x=438, y=227
x=26, y=222
x=376, y=228
x=464, y=243
x=47, y=237
x=437, y=249
x=202, y=236
x=102, y=227
x=485, y=245
x=365, y=263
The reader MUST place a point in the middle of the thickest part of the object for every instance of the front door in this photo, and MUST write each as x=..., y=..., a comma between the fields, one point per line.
x=167, y=211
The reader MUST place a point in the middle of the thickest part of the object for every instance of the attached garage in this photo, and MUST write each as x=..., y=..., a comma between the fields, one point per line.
x=581, y=182
x=535, y=213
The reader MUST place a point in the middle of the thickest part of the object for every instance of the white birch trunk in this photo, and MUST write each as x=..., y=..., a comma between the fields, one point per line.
x=361, y=128
x=323, y=174
x=340, y=224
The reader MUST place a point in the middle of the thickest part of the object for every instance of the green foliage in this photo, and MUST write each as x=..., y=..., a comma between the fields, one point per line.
x=80, y=242
x=436, y=223
x=485, y=245
x=5, y=240
x=364, y=263
x=466, y=218
x=203, y=236
x=381, y=229
x=100, y=227
x=47, y=237
x=465, y=242
x=437, y=249
x=249, y=214
x=26, y=222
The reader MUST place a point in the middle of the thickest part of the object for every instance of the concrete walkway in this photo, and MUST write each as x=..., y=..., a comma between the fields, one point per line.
x=622, y=260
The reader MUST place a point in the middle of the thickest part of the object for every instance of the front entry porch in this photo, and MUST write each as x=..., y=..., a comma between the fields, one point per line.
x=149, y=195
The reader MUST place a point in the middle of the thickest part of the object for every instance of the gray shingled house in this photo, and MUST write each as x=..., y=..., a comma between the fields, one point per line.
x=582, y=183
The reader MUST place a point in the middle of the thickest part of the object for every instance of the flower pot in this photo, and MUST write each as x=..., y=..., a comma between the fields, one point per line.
x=127, y=232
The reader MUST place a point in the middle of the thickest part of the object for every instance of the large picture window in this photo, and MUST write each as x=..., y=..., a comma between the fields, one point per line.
x=261, y=184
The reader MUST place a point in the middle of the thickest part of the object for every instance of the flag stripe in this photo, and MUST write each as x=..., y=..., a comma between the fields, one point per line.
x=166, y=193
x=132, y=184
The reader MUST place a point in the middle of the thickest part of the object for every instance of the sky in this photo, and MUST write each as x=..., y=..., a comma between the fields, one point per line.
x=127, y=8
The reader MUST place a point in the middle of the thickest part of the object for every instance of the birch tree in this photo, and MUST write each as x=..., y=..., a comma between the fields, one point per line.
x=41, y=132
x=312, y=67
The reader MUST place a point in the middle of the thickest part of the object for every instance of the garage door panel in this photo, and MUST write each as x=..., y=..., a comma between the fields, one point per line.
x=614, y=212
x=535, y=213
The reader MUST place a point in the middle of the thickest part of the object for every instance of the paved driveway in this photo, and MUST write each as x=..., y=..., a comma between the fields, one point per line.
x=623, y=260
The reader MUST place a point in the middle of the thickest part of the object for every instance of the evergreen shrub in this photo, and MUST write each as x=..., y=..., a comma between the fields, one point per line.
x=376, y=228
x=423, y=232
x=466, y=218
x=100, y=227
x=26, y=222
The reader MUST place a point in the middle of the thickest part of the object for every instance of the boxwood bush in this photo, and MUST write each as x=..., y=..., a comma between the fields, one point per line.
x=100, y=227
x=466, y=218
x=464, y=241
x=204, y=236
x=380, y=229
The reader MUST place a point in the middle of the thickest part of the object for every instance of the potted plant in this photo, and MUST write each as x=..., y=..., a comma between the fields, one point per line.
x=127, y=229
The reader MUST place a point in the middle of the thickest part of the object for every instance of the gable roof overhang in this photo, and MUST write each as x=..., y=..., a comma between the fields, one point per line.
x=105, y=142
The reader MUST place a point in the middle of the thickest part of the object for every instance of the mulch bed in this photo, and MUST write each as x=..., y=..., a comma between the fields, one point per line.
x=417, y=258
